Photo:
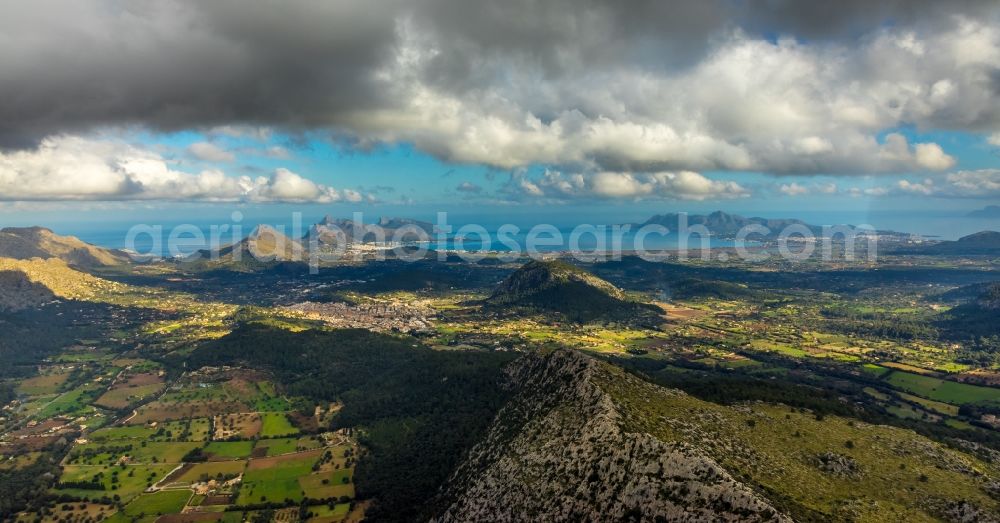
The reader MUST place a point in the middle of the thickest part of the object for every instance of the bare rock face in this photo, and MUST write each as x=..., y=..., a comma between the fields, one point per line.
x=968, y=513
x=558, y=452
x=18, y=292
x=837, y=464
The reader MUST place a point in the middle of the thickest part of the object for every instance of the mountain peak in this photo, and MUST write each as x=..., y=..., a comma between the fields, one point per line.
x=990, y=237
x=28, y=231
x=570, y=433
x=990, y=211
x=23, y=243
x=563, y=288
x=267, y=242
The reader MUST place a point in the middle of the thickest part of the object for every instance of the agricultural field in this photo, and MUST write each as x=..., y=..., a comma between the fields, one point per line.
x=942, y=390
x=50, y=381
x=76, y=511
x=242, y=425
x=144, y=444
x=276, y=424
x=115, y=481
x=328, y=514
x=129, y=390
x=278, y=446
x=154, y=504
x=277, y=478
x=224, y=450
x=202, y=472
x=71, y=403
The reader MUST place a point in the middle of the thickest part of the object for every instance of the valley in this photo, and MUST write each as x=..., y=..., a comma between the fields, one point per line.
x=171, y=392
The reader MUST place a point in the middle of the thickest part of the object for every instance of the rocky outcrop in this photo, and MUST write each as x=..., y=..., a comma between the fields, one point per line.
x=558, y=451
x=18, y=292
x=837, y=464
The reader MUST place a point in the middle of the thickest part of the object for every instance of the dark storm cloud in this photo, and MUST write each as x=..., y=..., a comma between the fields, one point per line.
x=581, y=85
x=851, y=18
x=68, y=66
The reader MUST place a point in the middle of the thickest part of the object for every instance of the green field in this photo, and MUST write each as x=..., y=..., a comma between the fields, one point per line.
x=72, y=402
x=934, y=406
x=143, y=451
x=196, y=430
x=779, y=347
x=278, y=490
x=875, y=370
x=323, y=485
x=286, y=445
x=325, y=513
x=210, y=470
x=276, y=424
x=128, y=432
x=941, y=390
x=278, y=446
x=157, y=503
x=276, y=479
x=229, y=449
x=79, y=357
x=269, y=400
x=132, y=479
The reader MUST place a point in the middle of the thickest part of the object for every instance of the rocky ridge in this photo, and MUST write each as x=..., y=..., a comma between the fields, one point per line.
x=24, y=243
x=558, y=451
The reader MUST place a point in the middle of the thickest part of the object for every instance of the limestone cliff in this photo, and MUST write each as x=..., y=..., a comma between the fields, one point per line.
x=559, y=451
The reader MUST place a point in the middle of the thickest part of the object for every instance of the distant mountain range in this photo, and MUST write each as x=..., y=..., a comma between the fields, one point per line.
x=383, y=231
x=990, y=211
x=980, y=243
x=264, y=247
x=726, y=226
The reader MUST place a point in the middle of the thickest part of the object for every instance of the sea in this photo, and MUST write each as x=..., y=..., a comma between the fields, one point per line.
x=550, y=232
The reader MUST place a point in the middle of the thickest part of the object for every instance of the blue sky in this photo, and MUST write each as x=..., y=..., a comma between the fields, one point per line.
x=407, y=182
x=400, y=174
x=402, y=177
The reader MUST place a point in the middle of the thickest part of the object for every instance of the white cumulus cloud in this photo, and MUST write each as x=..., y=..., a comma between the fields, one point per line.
x=976, y=184
x=793, y=189
x=210, y=152
x=468, y=187
x=683, y=185
x=780, y=107
x=78, y=168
